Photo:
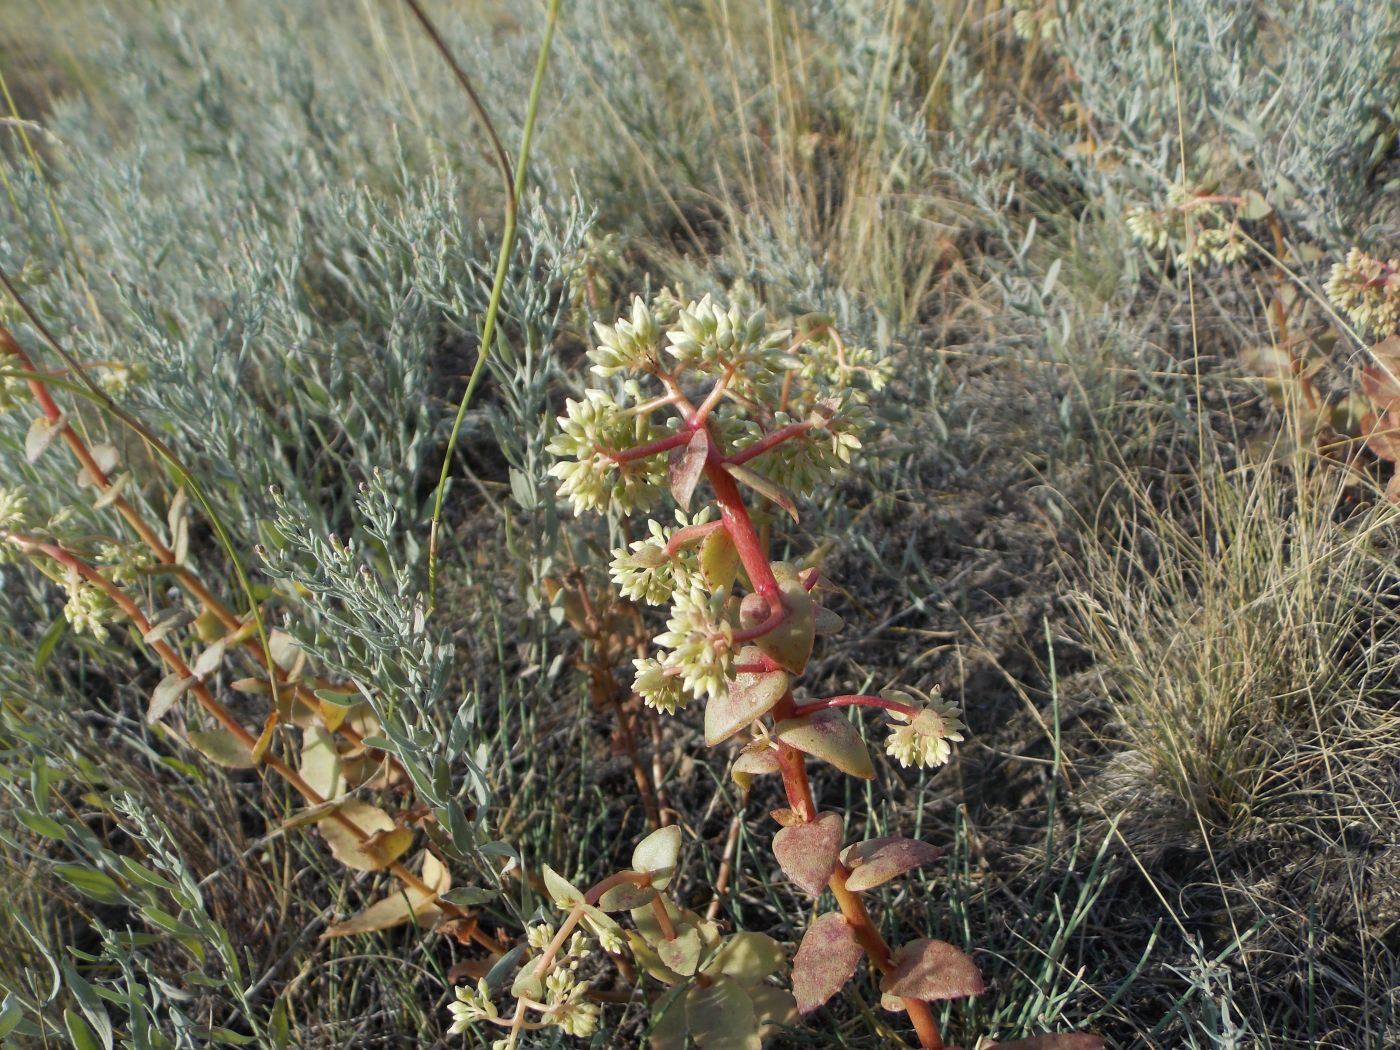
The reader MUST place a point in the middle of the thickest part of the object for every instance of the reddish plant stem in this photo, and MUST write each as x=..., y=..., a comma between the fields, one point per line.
x=764, y=444
x=857, y=701
x=793, y=766
x=690, y=534
x=740, y=528
x=651, y=448
x=163, y=554
x=221, y=714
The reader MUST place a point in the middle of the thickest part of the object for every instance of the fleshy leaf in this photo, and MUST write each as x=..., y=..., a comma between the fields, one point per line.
x=807, y=852
x=320, y=762
x=829, y=736
x=764, y=486
x=626, y=897
x=825, y=961
x=688, y=466
x=749, y=697
x=721, y=1017
x=682, y=952
x=41, y=435
x=719, y=560
x=773, y=1007
x=223, y=748
x=755, y=760
x=826, y=622
x=876, y=861
x=398, y=908
x=166, y=694
x=932, y=970
x=789, y=644
x=209, y=660
x=656, y=855
x=561, y=891
x=747, y=957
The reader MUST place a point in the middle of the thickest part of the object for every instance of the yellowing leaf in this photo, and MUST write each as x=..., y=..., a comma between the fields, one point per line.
x=747, y=957
x=656, y=855
x=223, y=748
x=682, y=952
x=344, y=844
x=398, y=908
x=320, y=763
x=719, y=560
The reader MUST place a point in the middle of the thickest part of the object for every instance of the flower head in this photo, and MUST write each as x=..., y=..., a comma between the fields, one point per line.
x=658, y=689
x=471, y=1007
x=922, y=738
x=1368, y=290
x=590, y=431
x=628, y=346
x=701, y=642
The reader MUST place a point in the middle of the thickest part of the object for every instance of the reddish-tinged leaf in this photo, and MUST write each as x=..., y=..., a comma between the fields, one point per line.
x=750, y=696
x=682, y=952
x=1063, y=1041
x=807, y=852
x=789, y=644
x=829, y=736
x=876, y=861
x=766, y=487
x=1382, y=436
x=932, y=970
x=1381, y=385
x=626, y=897
x=687, y=467
x=825, y=961
x=786, y=817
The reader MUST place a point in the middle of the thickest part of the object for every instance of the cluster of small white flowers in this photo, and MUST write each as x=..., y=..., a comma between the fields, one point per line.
x=567, y=1007
x=471, y=1007
x=701, y=643
x=645, y=572
x=589, y=431
x=708, y=336
x=658, y=689
x=125, y=562
x=539, y=935
x=1220, y=245
x=923, y=739
x=13, y=505
x=823, y=367
x=1031, y=21
x=803, y=462
x=630, y=345
x=12, y=391
x=1147, y=228
x=1368, y=290
x=87, y=608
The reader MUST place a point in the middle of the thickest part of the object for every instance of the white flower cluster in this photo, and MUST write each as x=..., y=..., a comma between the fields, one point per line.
x=471, y=1007
x=708, y=337
x=657, y=687
x=1368, y=290
x=630, y=345
x=1147, y=228
x=87, y=608
x=590, y=430
x=924, y=738
x=125, y=562
x=1210, y=237
x=13, y=505
x=701, y=641
x=1218, y=244
x=645, y=572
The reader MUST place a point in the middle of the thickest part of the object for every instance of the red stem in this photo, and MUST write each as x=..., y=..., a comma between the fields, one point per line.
x=857, y=701
x=651, y=448
x=740, y=527
x=764, y=444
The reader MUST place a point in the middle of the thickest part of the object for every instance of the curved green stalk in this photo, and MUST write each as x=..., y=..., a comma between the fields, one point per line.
x=488, y=328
